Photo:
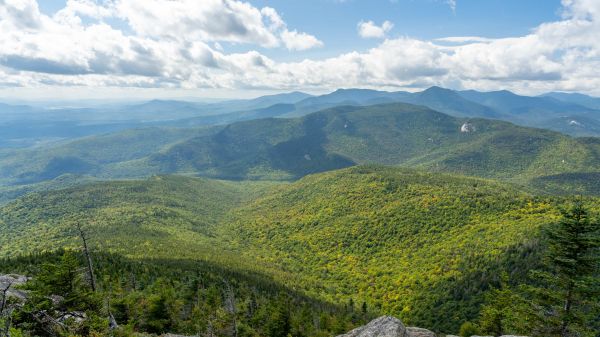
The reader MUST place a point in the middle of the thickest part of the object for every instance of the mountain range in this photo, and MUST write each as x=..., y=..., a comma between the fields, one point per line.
x=24, y=126
x=290, y=148
x=411, y=204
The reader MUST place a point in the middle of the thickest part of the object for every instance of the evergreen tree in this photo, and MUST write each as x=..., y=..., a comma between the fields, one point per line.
x=60, y=290
x=569, y=296
x=506, y=311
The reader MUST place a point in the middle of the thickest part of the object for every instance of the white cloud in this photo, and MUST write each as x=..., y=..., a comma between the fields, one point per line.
x=206, y=20
x=452, y=4
x=368, y=29
x=171, y=46
x=464, y=39
x=299, y=41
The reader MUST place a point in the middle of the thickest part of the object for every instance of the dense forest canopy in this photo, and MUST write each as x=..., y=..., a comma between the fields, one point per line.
x=424, y=247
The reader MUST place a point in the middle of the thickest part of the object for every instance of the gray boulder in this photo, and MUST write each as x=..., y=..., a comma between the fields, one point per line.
x=419, y=332
x=385, y=326
x=10, y=281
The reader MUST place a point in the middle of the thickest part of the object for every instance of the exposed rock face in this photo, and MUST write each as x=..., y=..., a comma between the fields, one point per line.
x=467, y=128
x=12, y=280
x=418, y=332
x=385, y=326
x=388, y=326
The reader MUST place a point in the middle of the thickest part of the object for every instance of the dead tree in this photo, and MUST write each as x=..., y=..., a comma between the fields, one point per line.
x=88, y=258
x=230, y=306
x=4, y=297
x=5, y=312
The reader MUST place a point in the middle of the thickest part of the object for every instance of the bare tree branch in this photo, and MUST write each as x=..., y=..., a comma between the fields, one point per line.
x=86, y=251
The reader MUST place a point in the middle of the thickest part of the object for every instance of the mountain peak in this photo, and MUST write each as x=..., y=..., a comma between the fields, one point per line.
x=436, y=89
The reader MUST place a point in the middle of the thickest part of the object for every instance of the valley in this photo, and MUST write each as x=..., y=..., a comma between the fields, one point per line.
x=290, y=148
x=420, y=246
x=349, y=212
x=327, y=168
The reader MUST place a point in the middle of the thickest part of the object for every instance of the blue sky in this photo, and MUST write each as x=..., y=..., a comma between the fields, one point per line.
x=232, y=48
x=335, y=21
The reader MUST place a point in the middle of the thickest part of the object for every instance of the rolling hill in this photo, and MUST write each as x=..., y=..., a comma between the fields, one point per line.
x=160, y=217
x=418, y=246
x=287, y=149
x=23, y=126
x=421, y=246
x=396, y=134
x=87, y=154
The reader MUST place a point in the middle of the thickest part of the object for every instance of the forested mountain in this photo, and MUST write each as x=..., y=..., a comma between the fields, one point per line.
x=305, y=235
x=149, y=297
x=424, y=247
x=581, y=99
x=254, y=168
x=284, y=149
x=573, y=115
x=25, y=126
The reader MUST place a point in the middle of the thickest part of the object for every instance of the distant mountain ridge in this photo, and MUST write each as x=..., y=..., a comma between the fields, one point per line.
x=581, y=99
x=290, y=148
x=573, y=114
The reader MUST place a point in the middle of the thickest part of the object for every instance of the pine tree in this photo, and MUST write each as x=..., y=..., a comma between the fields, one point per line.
x=568, y=297
x=505, y=311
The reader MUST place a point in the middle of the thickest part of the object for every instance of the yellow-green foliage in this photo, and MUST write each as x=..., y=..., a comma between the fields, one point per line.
x=418, y=245
x=164, y=216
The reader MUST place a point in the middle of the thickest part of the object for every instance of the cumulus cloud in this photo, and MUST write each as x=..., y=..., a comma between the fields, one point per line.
x=206, y=20
x=169, y=45
x=368, y=29
x=299, y=41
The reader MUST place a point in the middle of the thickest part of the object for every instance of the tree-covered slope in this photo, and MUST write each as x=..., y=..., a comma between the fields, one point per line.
x=393, y=134
x=87, y=155
x=420, y=246
x=150, y=297
x=164, y=216
x=287, y=149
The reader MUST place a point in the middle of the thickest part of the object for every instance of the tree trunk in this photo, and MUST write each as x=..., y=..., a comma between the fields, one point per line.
x=564, y=329
x=4, y=294
x=87, y=257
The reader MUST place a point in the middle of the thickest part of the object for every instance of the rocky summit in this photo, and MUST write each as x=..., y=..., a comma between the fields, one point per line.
x=387, y=326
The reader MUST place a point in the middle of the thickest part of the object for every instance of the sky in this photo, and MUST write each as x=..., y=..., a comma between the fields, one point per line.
x=232, y=48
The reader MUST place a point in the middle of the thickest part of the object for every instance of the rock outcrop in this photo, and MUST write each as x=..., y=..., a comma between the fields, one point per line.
x=467, y=128
x=388, y=326
x=9, y=282
x=385, y=326
x=419, y=332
